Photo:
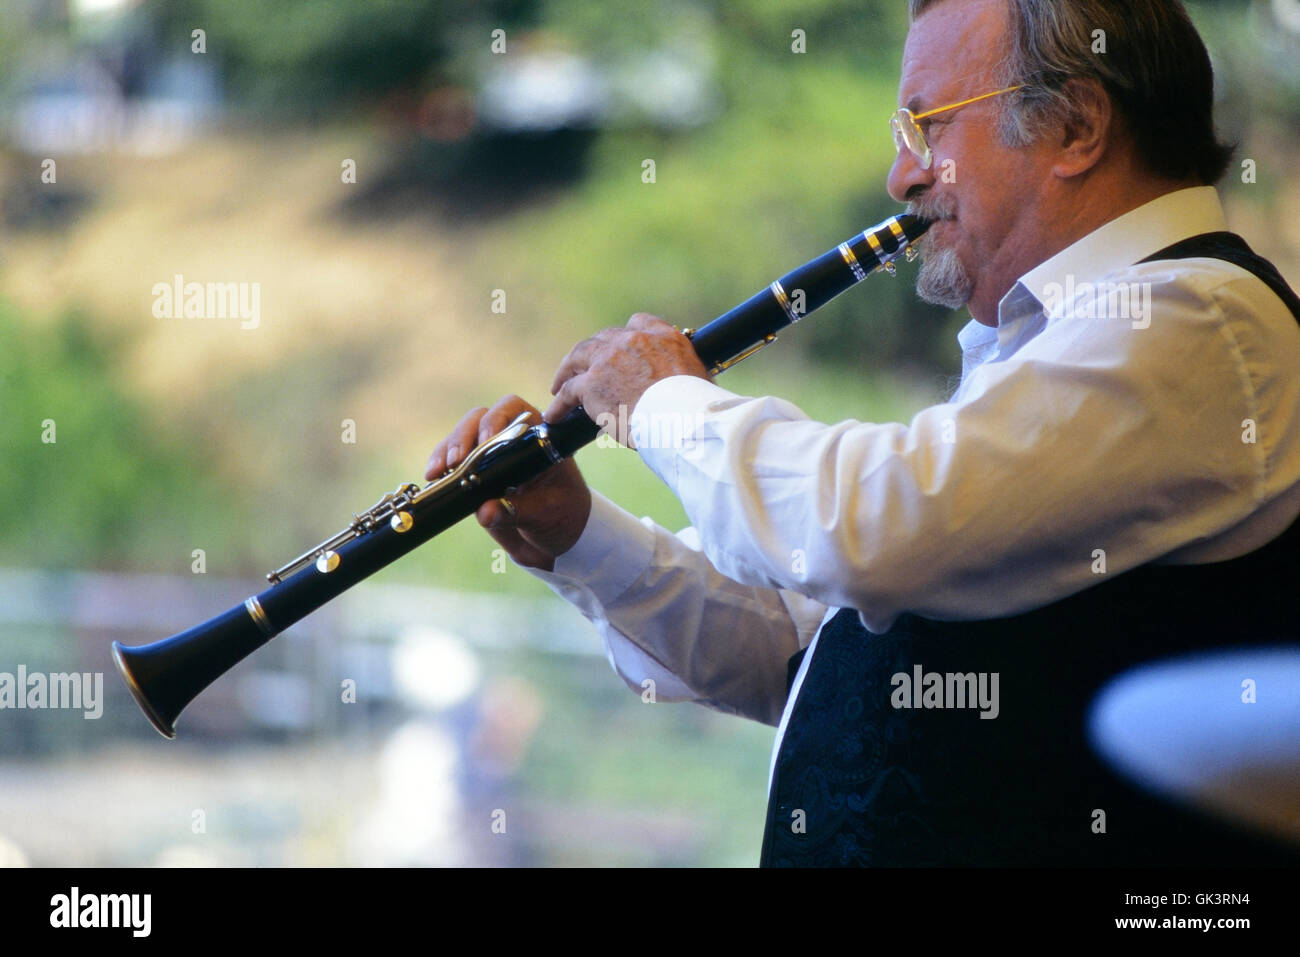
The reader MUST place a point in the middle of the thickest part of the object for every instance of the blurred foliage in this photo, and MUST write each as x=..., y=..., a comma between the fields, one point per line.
x=1257, y=66
x=298, y=55
x=109, y=489
x=327, y=52
x=11, y=33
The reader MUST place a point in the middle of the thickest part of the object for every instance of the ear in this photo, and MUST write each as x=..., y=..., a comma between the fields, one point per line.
x=1087, y=130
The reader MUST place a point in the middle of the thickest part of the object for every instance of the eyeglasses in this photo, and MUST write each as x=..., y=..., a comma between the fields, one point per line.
x=907, y=131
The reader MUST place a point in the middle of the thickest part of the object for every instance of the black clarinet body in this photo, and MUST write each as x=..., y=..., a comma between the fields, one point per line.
x=166, y=675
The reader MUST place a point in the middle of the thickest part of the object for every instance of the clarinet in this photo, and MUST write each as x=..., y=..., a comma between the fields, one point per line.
x=167, y=675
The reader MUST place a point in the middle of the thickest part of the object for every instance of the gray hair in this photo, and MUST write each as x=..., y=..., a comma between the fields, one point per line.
x=1155, y=69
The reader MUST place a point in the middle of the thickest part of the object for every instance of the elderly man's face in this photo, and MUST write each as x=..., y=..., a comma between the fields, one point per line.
x=976, y=188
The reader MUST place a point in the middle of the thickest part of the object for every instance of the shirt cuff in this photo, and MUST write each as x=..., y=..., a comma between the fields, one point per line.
x=614, y=550
x=667, y=417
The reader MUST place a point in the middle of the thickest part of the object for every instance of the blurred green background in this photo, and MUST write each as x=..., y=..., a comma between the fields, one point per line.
x=518, y=170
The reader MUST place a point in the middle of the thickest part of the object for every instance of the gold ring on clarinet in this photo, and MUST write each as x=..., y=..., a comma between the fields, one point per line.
x=509, y=506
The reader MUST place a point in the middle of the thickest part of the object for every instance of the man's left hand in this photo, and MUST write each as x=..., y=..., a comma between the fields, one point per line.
x=615, y=366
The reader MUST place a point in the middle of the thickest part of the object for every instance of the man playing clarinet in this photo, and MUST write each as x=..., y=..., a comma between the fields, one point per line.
x=1116, y=479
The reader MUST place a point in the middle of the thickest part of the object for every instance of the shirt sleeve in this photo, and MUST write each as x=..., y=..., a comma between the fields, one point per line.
x=1097, y=447
x=673, y=625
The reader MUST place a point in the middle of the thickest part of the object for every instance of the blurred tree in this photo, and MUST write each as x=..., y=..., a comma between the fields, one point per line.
x=862, y=28
x=87, y=476
x=319, y=54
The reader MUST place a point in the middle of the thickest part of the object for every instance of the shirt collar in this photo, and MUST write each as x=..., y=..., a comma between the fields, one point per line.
x=1129, y=239
x=1118, y=244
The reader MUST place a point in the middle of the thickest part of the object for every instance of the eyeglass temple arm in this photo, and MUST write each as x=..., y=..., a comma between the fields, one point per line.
x=973, y=99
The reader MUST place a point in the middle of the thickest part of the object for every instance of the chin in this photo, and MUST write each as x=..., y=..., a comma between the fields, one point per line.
x=943, y=279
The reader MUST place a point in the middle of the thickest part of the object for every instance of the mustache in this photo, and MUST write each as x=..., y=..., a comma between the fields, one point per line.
x=933, y=209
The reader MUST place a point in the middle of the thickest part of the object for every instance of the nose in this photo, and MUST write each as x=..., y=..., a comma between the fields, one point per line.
x=906, y=176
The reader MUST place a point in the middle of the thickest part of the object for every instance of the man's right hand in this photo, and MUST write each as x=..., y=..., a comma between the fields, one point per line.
x=550, y=512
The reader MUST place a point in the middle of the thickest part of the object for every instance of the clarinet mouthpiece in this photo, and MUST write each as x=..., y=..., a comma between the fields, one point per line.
x=914, y=227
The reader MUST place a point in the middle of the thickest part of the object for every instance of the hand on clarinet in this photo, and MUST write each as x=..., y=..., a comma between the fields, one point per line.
x=544, y=517
x=615, y=366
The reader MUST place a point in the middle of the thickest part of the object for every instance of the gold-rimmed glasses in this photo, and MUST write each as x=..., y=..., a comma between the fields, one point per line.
x=907, y=129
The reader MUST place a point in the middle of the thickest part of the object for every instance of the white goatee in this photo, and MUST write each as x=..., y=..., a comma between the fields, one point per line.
x=942, y=279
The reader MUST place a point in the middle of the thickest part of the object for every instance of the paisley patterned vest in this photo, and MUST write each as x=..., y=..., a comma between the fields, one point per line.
x=860, y=782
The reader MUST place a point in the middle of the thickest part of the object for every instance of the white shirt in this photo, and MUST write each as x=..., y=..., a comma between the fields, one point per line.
x=1082, y=432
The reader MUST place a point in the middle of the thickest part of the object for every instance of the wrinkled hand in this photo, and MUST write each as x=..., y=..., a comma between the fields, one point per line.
x=615, y=366
x=550, y=511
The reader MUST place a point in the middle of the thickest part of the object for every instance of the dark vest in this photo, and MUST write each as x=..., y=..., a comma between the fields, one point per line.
x=860, y=782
